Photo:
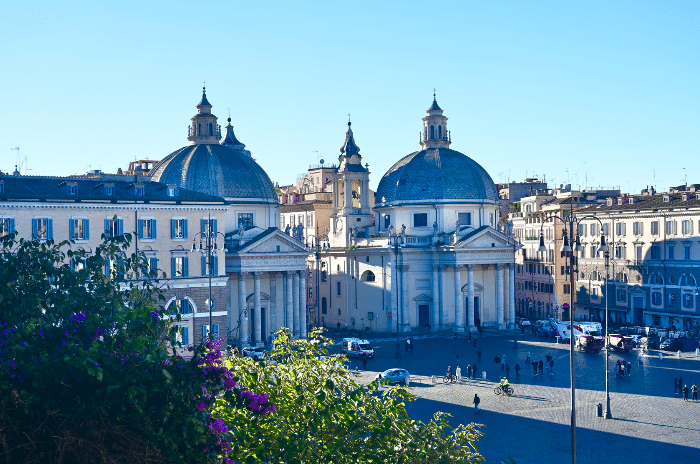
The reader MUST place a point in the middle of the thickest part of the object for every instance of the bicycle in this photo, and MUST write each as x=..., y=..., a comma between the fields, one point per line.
x=449, y=379
x=508, y=390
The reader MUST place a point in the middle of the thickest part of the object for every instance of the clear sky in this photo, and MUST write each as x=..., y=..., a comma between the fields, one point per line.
x=599, y=93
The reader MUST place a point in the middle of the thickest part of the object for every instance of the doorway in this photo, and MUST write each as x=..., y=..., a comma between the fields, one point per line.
x=637, y=311
x=423, y=316
x=263, y=325
x=477, y=311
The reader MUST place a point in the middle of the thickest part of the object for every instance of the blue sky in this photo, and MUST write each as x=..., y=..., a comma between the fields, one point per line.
x=599, y=93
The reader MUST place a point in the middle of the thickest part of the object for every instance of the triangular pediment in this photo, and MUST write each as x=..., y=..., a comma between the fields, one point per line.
x=272, y=241
x=422, y=297
x=486, y=237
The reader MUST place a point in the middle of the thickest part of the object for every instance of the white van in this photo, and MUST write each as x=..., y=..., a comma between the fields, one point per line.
x=357, y=347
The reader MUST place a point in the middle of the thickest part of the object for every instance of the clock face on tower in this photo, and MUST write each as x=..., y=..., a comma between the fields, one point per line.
x=338, y=225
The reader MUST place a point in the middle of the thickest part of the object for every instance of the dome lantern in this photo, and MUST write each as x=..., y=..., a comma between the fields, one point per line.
x=435, y=133
x=204, y=127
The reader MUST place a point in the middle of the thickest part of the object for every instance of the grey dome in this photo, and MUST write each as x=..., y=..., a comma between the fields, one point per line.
x=435, y=175
x=219, y=170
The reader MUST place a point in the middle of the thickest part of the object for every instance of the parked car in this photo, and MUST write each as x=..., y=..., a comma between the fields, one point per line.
x=357, y=347
x=636, y=340
x=619, y=342
x=255, y=352
x=525, y=323
x=589, y=343
x=395, y=375
x=649, y=342
x=672, y=344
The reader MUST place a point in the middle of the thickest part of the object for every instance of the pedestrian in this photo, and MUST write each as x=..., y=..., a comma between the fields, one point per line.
x=449, y=372
x=541, y=367
x=680, y=383
x=474, y=341
x=517, y=369
x=470, y=334
x=458, y=373
x=507, y=370
x=476, y=403
x=474, y=371
x=364, y=361
x=675, y=385
x=503, y=363
x=481, y=331
x=478, y=353
x=551, y=366
x=407, y=346
x=685, y=392
x=457, y=359
x=534, y=368
x=694, y=389
x=497, y=360
x=629, y=369
x=411, y=345
x=455, y=337
x=527, y=358
x=469, y=371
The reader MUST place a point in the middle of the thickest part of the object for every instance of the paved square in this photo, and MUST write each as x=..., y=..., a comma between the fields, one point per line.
x=650, y=423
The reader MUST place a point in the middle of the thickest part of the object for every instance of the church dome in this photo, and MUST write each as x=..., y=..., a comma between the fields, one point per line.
x=225, y=169
x=435, y=174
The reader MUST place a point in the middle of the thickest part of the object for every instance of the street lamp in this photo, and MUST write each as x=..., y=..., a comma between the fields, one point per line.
x=569, y=251
x=208, y=246
x=606, y=253
x=398, y=311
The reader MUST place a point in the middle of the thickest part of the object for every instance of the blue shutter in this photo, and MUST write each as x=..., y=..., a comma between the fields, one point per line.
x=154, y=234
x=172, y=228
x=172, y=267
x=120, y=227
x=106, y=267
x=140, y=228
x=86, y=228
x=72, y=265
x=185, y=336
x=107, y=230
x=213, y=226
x=204, y=333
x=49, y=229
x=215, y=266
x=203, y=224
x=204, y=265
x=216, y=330
x=35, y=229
x=153, y=262
x=12, y=225
x=71, y=229
x=184, y=228
x=185, y=267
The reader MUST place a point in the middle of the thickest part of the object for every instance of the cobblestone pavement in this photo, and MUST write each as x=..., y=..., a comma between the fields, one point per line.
x=650, y=423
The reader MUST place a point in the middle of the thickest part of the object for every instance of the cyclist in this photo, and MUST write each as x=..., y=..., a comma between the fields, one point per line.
x=449, y=373
x=505, y=384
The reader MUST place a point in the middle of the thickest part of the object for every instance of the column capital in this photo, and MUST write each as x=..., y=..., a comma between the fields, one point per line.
x=288, y=274
x=499, y=266
x=436, y=267
x=458, y=266
x=256, y=274
x=470, y=267
x=242, y=275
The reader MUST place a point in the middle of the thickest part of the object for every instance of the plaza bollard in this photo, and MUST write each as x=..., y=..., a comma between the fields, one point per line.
x=697, y=351
x=483, y=375
x=661, y=356
x=600, y=410
x=433, y=379
x=679, y=353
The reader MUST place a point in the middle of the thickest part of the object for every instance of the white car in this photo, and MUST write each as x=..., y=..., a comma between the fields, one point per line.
x=255, y=352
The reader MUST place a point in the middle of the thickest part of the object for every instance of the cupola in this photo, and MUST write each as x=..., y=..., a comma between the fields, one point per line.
x=204, y=127
x=435, y=133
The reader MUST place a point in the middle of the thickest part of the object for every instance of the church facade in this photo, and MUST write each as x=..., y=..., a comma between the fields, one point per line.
x=426, y=254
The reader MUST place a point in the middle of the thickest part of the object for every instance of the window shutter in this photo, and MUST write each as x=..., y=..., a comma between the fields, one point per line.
x=107, y=273
x=213, y=226
x=185, y=336
x=185, y=267
x=153, y=263
x=184, y=228
x=49, y=229
x=12, y=225
x=172, y=267
x=140, y=228
x=204, y=265
x=203, y=224
x=35, y=229
x=215, y=266
x=71, y=232
x=106, y=225
x=154, y=234
x=120, y=227
x=216, y=330
x=172, y=228
x=86, y=229
x=204, y=332
x=72, y=265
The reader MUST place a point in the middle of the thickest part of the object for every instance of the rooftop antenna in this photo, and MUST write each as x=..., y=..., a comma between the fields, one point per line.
x=685, y=178
x=18, y=165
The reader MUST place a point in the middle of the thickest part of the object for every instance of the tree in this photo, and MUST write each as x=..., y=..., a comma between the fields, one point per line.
x=323, y=415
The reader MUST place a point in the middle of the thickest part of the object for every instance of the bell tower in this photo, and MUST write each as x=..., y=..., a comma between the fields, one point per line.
x=204, y=128
x=351, y=215
x=435, y=133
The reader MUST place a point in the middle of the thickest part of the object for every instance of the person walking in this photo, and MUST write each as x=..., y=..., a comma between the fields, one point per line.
x=503, y=363
x=469, y=371
x=364, y=361
x=477, y=400
x=478, y=353
x=551, y=366
x=685, y=392
x=629, y=369
x=474, y=371
x=680, y=383
x=527, y=358
x=455, y=338
x=517, y=369
x=410, y=339
x=458, y=373
x=497, y=360
x=541, y=367
x=675, y=385
x=534, y=368
x=694, y=389
x=507, y=370
x=407, y=346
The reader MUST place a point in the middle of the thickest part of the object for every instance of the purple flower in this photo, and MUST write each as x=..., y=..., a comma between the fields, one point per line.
x=155, y=315
x=218, y=426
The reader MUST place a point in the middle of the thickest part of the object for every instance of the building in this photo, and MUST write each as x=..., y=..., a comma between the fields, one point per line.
x=266, y=267
x=426, y=253
x=654, y=259
x=163, y=219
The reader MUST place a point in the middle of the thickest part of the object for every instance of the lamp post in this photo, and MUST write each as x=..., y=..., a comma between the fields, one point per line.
x=569, y=251
x=207, y=245
x=398, y=310
x=606, y=253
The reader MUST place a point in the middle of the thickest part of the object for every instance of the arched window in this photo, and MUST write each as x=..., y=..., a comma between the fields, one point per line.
x=210, y=129
x=324, y=305
x=368, y=276
x=440, y=132
x=199, y=128
x=687, y=280
x=432, y=132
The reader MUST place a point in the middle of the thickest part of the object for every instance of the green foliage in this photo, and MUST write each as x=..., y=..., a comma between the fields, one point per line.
x=323, y=415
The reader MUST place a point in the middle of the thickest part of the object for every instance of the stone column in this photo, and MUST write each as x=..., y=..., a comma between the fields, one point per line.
x=272, y=317
x=405, y=324
x=436, y=298
x=348, y=196
x=459, y=308
x=511, y=296
x=289, y=306
x=243, y=309
x=394, y=297
x=302, y=303
x=470, y=297
x=295, y=303
x=256, y=309
x=499, y=297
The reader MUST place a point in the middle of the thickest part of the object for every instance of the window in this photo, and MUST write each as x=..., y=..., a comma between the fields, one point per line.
x=207, y=228
x=324, y=305
x=109, y=189
x=42, y=228
x=245, y=220
x=656, y=298
x=7, y=226
x=114, y=227
x=582, y=230
x=369, y=276
x=671, y=227
x=210, y=129
x=153, y=266
x=173, y=191
x=606, y=229
x=147, y=228
x=179, y=266
x=432, y=132
x=671, y=251
x=654, y=227
x=206, y=270
x=337, y=288
x=72, y=189
x=621, y=295
x=621, y=229
x=139, y=190
x=215, y=330
x=671, y=300
x=387, y=221
x=178, y=228
x=464, y=219
x=593, y=251
x=655, y=252
x=79, y=229
x=638, y=253
x=439, y=132
x=621, y=252
x=324, y=276
x=185, y=334
x=2, y=186
x=420, y=220
x=687, y=300
x=686, y=251
x=638, y=228
x=687, y=227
